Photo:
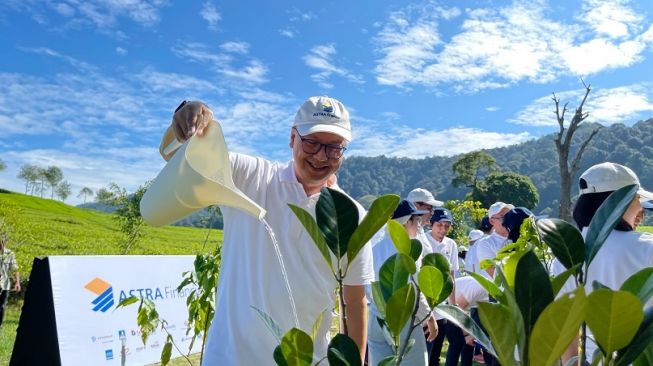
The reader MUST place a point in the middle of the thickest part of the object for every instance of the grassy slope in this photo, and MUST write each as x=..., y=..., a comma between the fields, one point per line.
x=41, y=227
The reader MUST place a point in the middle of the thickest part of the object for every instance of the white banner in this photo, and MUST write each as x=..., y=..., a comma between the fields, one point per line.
x=86, y=291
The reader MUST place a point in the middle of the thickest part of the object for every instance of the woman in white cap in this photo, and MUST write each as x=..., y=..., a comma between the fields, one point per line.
x=379, y=346
x=625, y=251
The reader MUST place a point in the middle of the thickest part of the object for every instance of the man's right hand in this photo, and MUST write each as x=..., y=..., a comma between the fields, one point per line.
x=190, y=119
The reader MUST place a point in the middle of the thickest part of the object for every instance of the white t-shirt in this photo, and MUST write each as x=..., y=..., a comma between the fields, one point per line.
x=8, y=265
x=487, y=248
x=471, y=259
x=250, y=274
x=446, y=247
x=471, y=290
x=623, y=254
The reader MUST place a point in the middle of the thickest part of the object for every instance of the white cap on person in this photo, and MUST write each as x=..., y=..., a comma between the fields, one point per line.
x=323, y=114
x=608, y=177
x=474, y=235
x=496, y=208
x=424, y=196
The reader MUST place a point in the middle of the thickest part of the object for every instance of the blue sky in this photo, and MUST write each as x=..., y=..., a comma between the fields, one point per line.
x=90, y=86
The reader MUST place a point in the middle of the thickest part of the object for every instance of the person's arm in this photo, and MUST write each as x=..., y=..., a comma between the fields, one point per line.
x=16, y=281
x=356, y=309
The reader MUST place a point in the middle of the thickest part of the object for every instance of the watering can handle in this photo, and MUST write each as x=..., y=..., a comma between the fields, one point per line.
x=172, y=147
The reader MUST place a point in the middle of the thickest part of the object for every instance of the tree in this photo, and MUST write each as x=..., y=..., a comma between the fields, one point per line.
x=563, y=141
x=3, y=166
x=128, y=211
x=63, y=190
x=104, y=195
x=507, y=187
x=30, y=174
x=53, y=175
x=85, y=192
x=470, y=168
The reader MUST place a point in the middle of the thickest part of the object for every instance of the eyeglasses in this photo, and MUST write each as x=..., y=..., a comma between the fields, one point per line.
x=500, y=218
x=312, y=147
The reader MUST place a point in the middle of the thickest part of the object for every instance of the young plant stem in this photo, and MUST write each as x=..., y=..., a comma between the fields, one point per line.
x=175, y=345
x=583, y=331
x=343, y=306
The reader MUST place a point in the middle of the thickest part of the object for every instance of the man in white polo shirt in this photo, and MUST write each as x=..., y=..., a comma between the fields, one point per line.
x=250, y=273
x=488, y=246
x=424, y=200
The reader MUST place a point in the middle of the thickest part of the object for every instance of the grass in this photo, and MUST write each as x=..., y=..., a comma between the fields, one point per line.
x=44, y=227
x=648, y=229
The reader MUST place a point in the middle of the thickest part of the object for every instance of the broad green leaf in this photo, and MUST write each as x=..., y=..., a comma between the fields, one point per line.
x=559, y=281
x=643, y=339
x=394, y=273
x=556, y=327
x=510, y=301
x=317, y=324
x=343, y=351
x=640, y=284
x=440, y=262
x=510, y=266
x=533, y=291
x=614, y=318
x=489, y=286
x=379, y=213
x=415, y=249
x=606, y=218
x=378, y=297
x=500, y=326
x=565, y=241
x=645, y=358
x=278, y=357
x=458, y=317
x=296, y=348
x=399, y=237
x=430, y=283
x=314, y=231
x=388, y=361
x=337, y=217
x=127, y=301
x=270, y=323
x=166, y=352
x=399, y=308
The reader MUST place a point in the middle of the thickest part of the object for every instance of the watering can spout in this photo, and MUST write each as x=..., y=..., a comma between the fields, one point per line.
x=197, y=176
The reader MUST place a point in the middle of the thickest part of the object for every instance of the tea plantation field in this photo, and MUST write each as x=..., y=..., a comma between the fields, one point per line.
x=42, y=227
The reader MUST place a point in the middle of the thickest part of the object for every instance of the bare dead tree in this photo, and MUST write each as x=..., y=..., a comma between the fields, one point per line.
x=563, y=142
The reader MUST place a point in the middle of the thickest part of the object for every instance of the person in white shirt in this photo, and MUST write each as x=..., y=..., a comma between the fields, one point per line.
x=490, y=245
x=424, y=200
x=441, y=222
x=8, y=272
x=250, y=273
x=625, y=251
x=468, y=293
x=471, y=260
x=380, y=347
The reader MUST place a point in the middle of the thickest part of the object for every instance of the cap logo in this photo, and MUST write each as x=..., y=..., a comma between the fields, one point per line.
x=327, y=107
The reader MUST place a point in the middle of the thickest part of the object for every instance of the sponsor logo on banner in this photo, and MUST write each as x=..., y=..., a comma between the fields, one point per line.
x=104, y=300
x=108, y=354
x=121, y=334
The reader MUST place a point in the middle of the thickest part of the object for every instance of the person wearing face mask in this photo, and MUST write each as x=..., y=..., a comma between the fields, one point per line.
x=379, y=347
x=625, y=251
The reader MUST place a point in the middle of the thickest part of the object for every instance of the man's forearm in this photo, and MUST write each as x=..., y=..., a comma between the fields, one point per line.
x=356, y=310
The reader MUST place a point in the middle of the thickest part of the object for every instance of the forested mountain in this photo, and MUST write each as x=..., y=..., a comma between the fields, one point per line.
x=630, y=146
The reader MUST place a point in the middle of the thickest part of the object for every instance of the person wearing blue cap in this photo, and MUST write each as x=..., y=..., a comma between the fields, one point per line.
x=441, y=222
x=409, y=216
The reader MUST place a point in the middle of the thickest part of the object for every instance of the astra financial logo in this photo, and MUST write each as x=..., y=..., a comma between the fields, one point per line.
x=327, y=107
x=104, y=290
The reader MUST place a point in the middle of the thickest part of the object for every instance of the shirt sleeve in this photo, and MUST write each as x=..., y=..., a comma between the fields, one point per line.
x=484, y=250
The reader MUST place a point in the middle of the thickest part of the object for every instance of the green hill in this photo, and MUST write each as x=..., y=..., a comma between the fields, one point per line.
x=619, y=143
x=41, y=227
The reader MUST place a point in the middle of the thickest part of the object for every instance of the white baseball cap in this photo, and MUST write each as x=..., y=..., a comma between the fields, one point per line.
x=496, y=208
x=608, y=177
x=323, y=114
x=475, y=234
x=422, y=195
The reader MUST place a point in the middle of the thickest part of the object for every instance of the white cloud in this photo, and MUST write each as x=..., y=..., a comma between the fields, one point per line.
x=492, y=109
x=211, y=15
x=121, y=51
x=498, y=47
x=287, y=32
x=407, y=142
x=605, y=106
x=320, y=58
x=235, y=47
x=297, y=15
x=251, y=71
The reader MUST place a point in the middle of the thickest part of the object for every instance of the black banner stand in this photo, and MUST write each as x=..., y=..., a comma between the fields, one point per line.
x=36, y=336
